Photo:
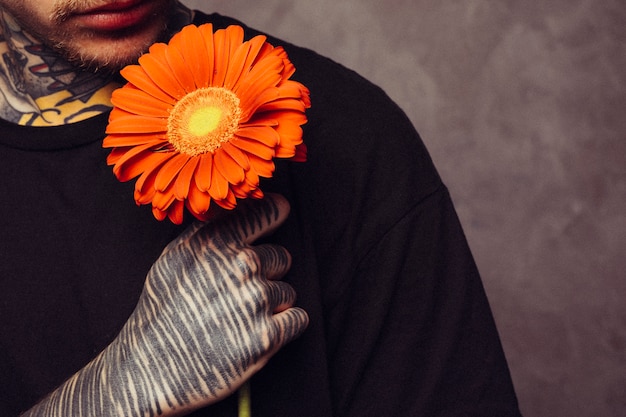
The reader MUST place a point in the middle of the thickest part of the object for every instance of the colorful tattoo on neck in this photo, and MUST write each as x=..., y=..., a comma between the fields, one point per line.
x=38, y=87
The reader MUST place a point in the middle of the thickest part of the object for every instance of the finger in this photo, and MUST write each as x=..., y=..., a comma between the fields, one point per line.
x=256, y=218
x=281, y=296
x=250, y=220
x=289, y=324
x=274, y=261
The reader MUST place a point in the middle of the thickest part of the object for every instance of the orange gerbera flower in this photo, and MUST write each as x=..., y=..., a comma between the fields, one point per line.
x=202, y=118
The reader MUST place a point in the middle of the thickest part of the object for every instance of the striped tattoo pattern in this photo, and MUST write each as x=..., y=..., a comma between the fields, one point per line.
x=211, y=314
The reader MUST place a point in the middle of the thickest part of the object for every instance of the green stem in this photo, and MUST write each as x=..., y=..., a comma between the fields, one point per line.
x=244, y=401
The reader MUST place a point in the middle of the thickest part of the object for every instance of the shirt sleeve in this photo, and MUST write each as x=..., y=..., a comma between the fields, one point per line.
x=414, y=329
x=407, y=327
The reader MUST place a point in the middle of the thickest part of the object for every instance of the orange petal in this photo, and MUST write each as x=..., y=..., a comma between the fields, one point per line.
x=180, y=69
x=136, y=150
x=277, y=118
x=204, y=172
x=155, y=65
x=136, y=75
x=136, y=124
x=290, y=134
x=220, y=61
x=115, y=155
x=264, y=75
x=293, y=89
x=252, y=179
x=219, y=185
x=160, y=215
x=251, y=103
x=260, y=120
x=198, y=202
x=206, y=32
x=247, y=187
x=242, y=60
x=266, y=50
x=236, y=66
x=144, y=187
x=264, y=134
x=193, y=47
x=242, y=190
x=269, y=69
x=228, y=167
x=301, y=153
x=286, y=152
x=203, y=217
x=280, y=104
x=116, y=141
x=262, y=167
x=236, y=153
x=226, y=41
x=163, y=199
x=289, y=95
x=175, y=212
x=257, y=44
x=138, y=102
x=229, y=202
x=235, y=37
x=184, y=180
x=257, y=193
x=137, y=160
x=168, y=172
x=278, y=52
x=140, y=166
x=251, y=146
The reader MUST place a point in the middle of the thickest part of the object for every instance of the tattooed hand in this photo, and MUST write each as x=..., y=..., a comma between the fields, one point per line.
x=211, y=314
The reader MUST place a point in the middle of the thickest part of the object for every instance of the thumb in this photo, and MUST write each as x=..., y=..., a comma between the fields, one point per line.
x=250, y=220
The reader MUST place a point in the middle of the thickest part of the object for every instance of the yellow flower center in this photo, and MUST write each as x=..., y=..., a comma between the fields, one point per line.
x=203, y=120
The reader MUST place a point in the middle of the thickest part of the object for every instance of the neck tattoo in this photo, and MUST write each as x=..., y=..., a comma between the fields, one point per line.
x=40, y=88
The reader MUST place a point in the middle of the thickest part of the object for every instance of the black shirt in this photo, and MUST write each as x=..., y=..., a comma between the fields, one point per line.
x=400, y=325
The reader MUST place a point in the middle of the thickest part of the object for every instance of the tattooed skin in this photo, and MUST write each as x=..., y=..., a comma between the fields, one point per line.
x=31, y=72
x=39, y=87
x=211, y=314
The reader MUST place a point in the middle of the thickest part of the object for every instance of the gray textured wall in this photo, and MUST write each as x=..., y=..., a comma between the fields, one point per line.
x=523, y=107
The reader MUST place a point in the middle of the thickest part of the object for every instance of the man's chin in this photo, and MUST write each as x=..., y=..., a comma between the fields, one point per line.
x=101, y=62
x=105, y=56
x=108, y=51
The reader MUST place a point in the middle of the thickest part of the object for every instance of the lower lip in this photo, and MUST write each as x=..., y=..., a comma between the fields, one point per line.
x=114, y=19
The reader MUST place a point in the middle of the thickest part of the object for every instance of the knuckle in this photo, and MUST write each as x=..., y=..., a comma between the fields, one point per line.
x=248, y=261
x=284, y=292
x=274, y=258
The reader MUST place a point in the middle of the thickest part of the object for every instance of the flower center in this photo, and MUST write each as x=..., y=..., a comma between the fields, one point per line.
x=203, y=120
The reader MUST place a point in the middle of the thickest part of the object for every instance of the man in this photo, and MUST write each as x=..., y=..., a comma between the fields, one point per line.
x=109, y=312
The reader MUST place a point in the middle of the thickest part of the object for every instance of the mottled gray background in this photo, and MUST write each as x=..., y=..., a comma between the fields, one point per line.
x=523, y=107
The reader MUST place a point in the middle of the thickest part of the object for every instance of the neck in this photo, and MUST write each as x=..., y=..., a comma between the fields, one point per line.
x=40, y=88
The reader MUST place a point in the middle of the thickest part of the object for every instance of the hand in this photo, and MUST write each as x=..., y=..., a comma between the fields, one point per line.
x=212, y=311
x=211, y=314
